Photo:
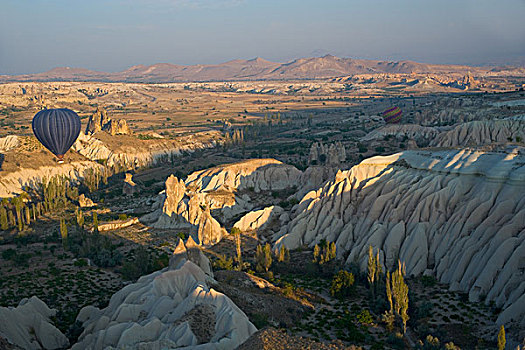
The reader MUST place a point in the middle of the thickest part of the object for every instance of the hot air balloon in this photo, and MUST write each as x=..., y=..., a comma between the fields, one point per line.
x=57, y=129
x=392, y=115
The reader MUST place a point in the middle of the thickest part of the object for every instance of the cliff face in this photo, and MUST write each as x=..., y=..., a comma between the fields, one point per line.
x=459, y=215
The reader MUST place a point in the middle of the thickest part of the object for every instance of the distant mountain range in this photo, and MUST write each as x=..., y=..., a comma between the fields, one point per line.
x=255, y=69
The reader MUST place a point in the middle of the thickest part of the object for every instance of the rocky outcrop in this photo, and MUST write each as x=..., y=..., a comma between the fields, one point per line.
x=115, y=225
x=171, y=308
x=129, y=187
x=97, y=121
x=483, y=132
x=134, y=153
x=329, y=155
x=29, y=326
x=192, y=252
x=100, y=121
x=457, y=214
x=190, y=204
x=257, y=174
x=117, y=127
x=401, y=132
x=85, y=202
x=8, y=143
x=258, y=219
x=187, y=209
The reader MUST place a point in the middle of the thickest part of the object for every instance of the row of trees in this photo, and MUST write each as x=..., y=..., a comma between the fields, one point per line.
x=55, y=193
x=324, y=252
x=395, y=286
x=18, y=213
x=264, y=257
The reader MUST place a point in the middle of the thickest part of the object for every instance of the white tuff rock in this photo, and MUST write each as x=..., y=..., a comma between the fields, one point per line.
x=259, y=174
x=482, y=132
x=168, y=309
x=28, y=326
x=258, y=219
x=460, y=214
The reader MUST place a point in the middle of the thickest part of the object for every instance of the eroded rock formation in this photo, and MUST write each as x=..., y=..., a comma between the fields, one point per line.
x=423, y=135
x=482, y=132
x=29, y=326
x=190, y=204
x=187, y=209
x=85, y=202
x=12, y=183
x=172, y=308
x=8, y=143
x=459, y=215
x=256, y=174
x=329, y=155
x=100, y=121
x=258, y=219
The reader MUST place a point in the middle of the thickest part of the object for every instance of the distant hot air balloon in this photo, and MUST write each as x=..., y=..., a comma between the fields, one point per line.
x=57, y=129
x=392, y=115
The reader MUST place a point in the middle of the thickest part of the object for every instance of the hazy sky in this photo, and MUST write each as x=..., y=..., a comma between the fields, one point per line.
x=112, y=35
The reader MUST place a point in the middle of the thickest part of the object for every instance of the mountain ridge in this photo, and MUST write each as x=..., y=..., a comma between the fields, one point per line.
x=257, y=68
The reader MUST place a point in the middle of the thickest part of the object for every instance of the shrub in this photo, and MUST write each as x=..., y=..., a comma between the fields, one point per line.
x=9, y=254
x=428, y=281
x=365, y=318
x=396, y=341
x=223, y=263
x=130, y=271
x=260, y=320
x=80, y=263
x=425, y=309
x=342, y=284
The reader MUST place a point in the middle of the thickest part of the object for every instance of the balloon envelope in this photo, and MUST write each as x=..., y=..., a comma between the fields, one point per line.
x=392, y=115
x=57, y=129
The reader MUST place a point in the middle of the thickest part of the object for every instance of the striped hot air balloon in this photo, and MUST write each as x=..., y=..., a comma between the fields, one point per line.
x=57, y=130
x=392, y=115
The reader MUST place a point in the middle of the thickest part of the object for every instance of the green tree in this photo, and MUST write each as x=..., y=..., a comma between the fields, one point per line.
x=501, y=338
x=11, y=218
x=80, y=217
x=372, y=267
x=400, y=294
x=18, y=203
x=263, y=258
x=63, y=232
x=317, y=252
x=342, y=284
x=27, y=216
x=237, y=234
x=388, y=316
x=283, y=255
x=3, y=218
x=379, y=268
x=95, y=221
x=39, y=209
x=332, y=251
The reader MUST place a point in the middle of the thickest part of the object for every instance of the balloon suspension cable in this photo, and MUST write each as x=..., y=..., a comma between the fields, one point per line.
x=60, y=158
